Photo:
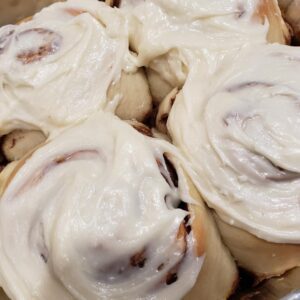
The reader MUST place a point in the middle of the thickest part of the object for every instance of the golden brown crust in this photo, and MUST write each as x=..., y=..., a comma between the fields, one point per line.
x=17, y=146
x=27, y=19
x=164, y=110
x=198, y=229
x=140, y=127
x=219, y=276
x=291, y=13
x=136, y=101
x=263, y=259
x=268, y=10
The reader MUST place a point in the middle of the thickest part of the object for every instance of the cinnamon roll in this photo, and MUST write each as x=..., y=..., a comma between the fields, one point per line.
x=164, y=32
x=62, y=65
x=285, y=287
x=239, y=128
x=104, y=212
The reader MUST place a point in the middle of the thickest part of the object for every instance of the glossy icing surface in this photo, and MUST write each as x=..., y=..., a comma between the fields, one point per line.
x=159, y=25
x=55, y=70
x=240, y=130
x=97, y=219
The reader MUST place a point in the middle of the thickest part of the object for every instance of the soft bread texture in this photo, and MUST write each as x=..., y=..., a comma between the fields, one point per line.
x=269, y=11
x=164, y=110
x=19, y=142
x=218, y=277
x=257, y=256
x=165, y=73
x=135, y=101
x=291, y=13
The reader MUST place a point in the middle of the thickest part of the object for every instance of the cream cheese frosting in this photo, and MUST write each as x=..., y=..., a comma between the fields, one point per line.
x=192, y=24
x=55, y=70
x=93, y=215
x=168, y=35
x=240, y=130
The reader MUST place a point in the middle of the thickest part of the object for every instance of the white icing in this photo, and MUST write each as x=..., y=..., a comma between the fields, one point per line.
x=85, y=203
x=81, y=206
x=159, y=26
x=240, y=129
x=87, y=53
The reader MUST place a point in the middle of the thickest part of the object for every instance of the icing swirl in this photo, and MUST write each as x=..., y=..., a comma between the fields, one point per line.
x=55, y=69
x=240, y=130
x=97, y=219
x=169, y=36
x=185, y=24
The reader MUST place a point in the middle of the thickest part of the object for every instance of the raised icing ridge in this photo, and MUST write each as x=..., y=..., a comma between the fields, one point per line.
x=97, y=219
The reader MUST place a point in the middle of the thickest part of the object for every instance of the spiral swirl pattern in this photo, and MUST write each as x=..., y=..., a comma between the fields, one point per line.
x=240, y=129
x=100, y=218
x=55, y=69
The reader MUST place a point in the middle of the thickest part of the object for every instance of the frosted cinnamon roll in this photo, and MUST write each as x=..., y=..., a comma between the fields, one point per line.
x=164, y=32
x=110, y=216
x=67, y=62
x=239, y=128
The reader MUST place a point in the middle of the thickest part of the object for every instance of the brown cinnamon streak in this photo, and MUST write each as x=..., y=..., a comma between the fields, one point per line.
x=139, y=259
x=168, y=171
x=40, y=174
x=35, y=54
x=172, y=275
x=250, y=84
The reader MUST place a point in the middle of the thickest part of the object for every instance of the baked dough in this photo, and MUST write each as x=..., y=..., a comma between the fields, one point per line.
x=239, y=128
x=112, y=216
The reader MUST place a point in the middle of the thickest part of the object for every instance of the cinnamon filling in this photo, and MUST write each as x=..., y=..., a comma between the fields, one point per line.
x=249, y=84
x=171, y=278
x=74, y=11
x=3, y=160
x=114, y=3
x=40, y=174
x=141, y=128
x=172, y=275
x=168, y=171
x=139, y=259
x=50, y=42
